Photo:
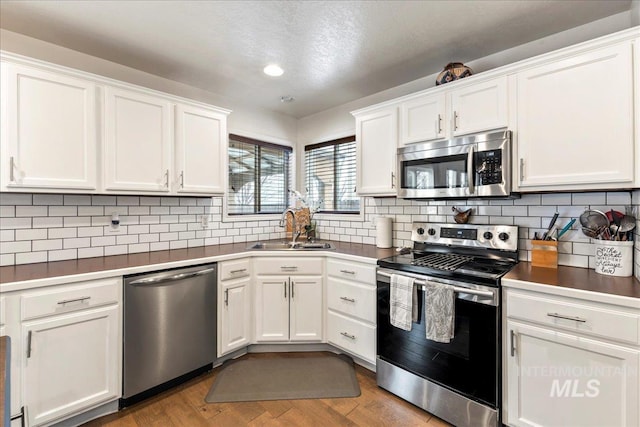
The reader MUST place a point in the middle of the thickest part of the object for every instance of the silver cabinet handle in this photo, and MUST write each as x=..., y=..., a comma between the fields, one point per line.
x=560, y=316
x=180, y=276
x=347, y=299
x=512, y=336
x=285, y=289
x=288, y=267
x=345, y=334
x=69, y=301
x=439, y=125
x=166, y=179
x=238, y=271
x=29, y=336
x=521, y=169
x=470, y=171
x=12, y=165
x=455, y=120
x=226, y=297
x=393, y=180
x=182, y=179
x=347, y=272
x=293, y=289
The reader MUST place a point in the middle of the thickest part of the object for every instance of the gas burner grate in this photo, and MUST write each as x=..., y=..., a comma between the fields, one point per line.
x=448, y=262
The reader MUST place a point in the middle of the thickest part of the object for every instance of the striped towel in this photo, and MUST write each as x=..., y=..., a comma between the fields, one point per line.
x=439, y=312
x=403, y=302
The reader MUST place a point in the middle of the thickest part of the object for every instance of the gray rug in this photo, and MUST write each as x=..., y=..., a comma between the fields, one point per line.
x=329, y=376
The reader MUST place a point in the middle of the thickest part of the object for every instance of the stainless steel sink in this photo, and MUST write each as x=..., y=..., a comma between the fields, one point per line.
x=288, y=246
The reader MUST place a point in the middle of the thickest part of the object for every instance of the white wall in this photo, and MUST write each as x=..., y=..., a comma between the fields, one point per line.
x=338, y=121
x=244, y=119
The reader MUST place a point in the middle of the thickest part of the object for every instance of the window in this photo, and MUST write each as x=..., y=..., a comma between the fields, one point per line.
x=331, y=175
x=259, y=177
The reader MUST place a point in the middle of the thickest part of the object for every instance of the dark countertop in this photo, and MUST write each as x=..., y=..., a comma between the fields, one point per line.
x=584, y=279
x=44, y=270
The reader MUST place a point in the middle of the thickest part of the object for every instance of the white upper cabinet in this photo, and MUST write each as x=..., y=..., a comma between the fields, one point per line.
x=138, y=137
x=48, y=130
x=377, y=139
x=469, y=109
x=423, y=119
x=575, y=122
x=479, y=107
x=200, y=149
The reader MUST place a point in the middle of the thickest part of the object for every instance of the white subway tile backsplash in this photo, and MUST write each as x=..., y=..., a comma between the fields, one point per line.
x=7, y=211
x=14, y=199
x=149, y=201
x=77, y=200
x=7, y=235
x=138, y=247
x=14, y=247
x=31, y=234
x=48, y=199
x=181, y=244
x=162, y=246
x=31, y=257
x=90, y=210
x=127, y=240
x=63, y=255
x=62, y=233
x=7, y=259
x=90, y=252
x=63, y=210
x=90, y=231
x=77, y=221
x=139, y=210
x=115, y=250
x=47, y=245
x=81, y=242
x=14, y=223
x=128, y=200
x=147, y=238
x=31, y=211
x=103, y=200
x=103, y=241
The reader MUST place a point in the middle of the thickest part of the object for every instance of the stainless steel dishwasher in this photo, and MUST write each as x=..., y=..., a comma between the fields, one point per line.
x=169, y=329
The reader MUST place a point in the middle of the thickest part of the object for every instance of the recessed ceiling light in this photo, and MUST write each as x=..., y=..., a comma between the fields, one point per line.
x=273, y=70
x=287, y=98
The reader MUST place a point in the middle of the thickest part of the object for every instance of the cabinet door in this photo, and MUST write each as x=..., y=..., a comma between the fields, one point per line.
x=72, y=363
x=558, y=379
x=272, y=308
x=377, y=140
x=478, y=107
x=306, y=308
x=48, y=130
x=575, y=121
x=200, y=150
x=422, y=119
x=138, y=139
x=235, y=306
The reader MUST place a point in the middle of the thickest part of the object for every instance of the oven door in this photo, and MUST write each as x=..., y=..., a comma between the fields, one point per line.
x=469, y=364
x=440, y=169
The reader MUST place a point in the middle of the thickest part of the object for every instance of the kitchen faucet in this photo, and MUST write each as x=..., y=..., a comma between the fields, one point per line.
x=294, y=231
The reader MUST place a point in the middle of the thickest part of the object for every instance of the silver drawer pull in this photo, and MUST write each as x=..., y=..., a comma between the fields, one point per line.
x=560, y=316
x=347, y=299
x=238, y=271
x=290, y=267
x=29, y=336
x=69, y=301
x=347, y=272
x=351, y=337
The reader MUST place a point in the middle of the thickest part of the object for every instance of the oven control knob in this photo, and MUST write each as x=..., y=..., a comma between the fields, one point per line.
x=503, y=236
x=488, y=235
x=431, y=232
x=420, y=231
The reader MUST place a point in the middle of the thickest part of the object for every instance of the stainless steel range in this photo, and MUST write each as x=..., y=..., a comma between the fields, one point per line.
x=456, y=381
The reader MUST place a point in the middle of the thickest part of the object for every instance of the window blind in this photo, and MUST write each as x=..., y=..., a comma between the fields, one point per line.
x=331, y=175
x=259, y=175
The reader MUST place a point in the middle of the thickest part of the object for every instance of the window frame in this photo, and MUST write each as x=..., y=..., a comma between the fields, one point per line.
x=266, y=142
x=335, y=214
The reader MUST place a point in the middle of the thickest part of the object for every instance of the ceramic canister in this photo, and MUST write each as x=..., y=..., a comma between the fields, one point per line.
x=384, y=232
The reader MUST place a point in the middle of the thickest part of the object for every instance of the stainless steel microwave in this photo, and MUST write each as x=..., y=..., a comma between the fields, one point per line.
x=465, y=167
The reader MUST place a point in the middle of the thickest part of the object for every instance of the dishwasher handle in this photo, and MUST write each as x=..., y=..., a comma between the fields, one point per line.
x=160, y=279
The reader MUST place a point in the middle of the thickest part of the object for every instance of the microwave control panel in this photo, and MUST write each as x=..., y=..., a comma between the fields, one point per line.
x=489, y=167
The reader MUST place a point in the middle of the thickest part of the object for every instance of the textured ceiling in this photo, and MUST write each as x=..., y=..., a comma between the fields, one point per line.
x=332, y=51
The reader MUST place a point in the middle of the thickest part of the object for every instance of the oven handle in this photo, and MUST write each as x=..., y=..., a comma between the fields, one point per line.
x=422, y=283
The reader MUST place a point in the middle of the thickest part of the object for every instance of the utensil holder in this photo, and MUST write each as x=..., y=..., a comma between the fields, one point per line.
x=614, y=258
x=544, y=253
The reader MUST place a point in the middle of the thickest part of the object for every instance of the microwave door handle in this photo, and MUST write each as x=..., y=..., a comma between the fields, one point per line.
x=470, y=171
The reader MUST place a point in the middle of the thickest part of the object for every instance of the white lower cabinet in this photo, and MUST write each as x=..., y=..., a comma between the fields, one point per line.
x=234, y=305
x=352, y=307
x=66, y=349
x=564, y=368
x=288, y=307
x=71, y=363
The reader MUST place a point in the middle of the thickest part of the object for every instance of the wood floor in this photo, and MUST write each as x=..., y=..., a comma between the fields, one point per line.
x=184, y=406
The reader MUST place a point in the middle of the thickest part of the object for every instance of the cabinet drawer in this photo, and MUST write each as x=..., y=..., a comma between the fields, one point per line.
x=353, y=299
x=588, y=318
x=64, y=299
x=352, y=271
x=288, y=265
x=352, y=335
x=234, y=269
